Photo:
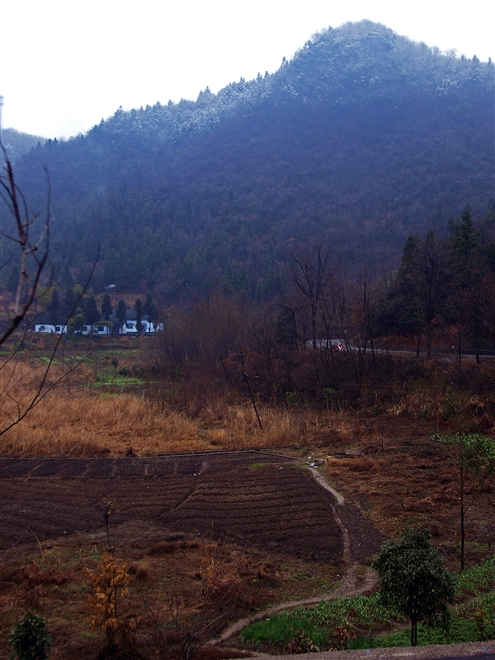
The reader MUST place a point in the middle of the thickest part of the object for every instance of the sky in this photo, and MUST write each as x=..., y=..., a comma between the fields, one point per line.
x=67, y=64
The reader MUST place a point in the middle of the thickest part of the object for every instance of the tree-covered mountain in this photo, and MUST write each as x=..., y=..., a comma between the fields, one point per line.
x=17, y=143
x=363, y=138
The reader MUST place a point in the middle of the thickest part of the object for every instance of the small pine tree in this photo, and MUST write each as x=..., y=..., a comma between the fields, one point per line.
x=92, y=313
x=66, y=278
x=138, y=308
x=149, y=309
x=106, y=307
x=121, y=311
x=54, y=309
x=69, y=302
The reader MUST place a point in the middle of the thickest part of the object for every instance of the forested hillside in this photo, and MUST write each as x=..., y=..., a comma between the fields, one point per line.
x=363, y=138
x=17, y=143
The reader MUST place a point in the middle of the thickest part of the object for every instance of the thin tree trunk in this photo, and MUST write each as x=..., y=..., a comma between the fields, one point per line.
x=414, y=631
x=462, y=516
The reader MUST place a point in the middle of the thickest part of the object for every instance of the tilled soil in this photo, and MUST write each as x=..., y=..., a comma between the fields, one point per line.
x=260, y=501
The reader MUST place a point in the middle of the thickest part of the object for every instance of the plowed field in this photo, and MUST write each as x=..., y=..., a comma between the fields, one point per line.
x=255, y=500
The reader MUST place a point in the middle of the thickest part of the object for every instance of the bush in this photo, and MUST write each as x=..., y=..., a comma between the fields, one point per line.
x=30, y=638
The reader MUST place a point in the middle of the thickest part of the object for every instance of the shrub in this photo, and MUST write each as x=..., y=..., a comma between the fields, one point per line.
x=30, y=638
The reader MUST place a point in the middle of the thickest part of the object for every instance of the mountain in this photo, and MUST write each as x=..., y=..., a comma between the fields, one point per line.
x=17, y=143
x=361, y=139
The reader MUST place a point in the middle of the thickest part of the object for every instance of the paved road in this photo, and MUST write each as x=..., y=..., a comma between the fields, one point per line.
x=478, y=650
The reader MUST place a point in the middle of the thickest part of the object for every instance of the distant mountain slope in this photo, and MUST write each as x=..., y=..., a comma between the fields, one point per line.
x=363, y=137
x=17, y=143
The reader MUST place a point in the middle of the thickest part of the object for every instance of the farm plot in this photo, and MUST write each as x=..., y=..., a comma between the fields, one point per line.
x=272, y=505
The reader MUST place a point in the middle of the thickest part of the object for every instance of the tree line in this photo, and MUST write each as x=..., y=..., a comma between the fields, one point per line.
x=331, y=332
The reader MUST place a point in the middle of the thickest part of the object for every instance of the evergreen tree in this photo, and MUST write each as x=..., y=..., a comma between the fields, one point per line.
x=121, y=311
x=464, y=239
x=470, y=282
x=138, y=308
x=54, y=309
x=70, y=298
x=92, y=313
x=106, y=307
x=149, y=309
x=66, y=278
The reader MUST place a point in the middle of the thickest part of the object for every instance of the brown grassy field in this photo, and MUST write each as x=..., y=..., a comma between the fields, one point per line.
x=78, y=420
x=401, y=477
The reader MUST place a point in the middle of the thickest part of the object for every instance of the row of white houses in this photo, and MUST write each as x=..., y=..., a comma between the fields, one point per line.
x=103, y=328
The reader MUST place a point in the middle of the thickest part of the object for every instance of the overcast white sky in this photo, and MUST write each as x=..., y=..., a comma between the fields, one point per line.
x=66, y=64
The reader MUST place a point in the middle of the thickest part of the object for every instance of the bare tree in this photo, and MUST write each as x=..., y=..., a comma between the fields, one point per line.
x=312, y=275
x=365, y=295
x=22, y=388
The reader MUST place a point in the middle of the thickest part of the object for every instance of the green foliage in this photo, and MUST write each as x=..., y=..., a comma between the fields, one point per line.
x=291, y=398
x=478, y=578
x=371, y=611
x=480, y=581
x=473, y=450
x=460, y=630
x=413, y=580
x=453, y=404
x=30, y=638
x=474, y=453
x=315, y=623
x=328, y=395
x=283, y=630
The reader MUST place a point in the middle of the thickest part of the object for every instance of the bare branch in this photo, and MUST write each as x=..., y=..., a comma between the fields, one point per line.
x=16, y=203
x=31, y=253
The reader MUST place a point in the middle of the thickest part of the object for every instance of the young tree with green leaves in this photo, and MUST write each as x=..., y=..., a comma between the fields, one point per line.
x=413, y=580
x=473, y=455
x=30, y=639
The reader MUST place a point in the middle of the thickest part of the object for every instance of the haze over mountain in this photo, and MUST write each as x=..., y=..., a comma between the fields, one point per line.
x=17, y=143
x=363, y=138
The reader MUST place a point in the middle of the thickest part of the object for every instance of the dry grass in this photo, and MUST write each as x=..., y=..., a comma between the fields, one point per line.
x=85, y=423
x=72, y=420
x=80, y=421
x=55, y=584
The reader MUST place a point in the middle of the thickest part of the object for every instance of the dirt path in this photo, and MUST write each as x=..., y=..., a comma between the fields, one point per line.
x=356, y=580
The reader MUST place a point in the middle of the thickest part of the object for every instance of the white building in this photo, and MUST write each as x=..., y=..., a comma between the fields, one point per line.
x=51, y=329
